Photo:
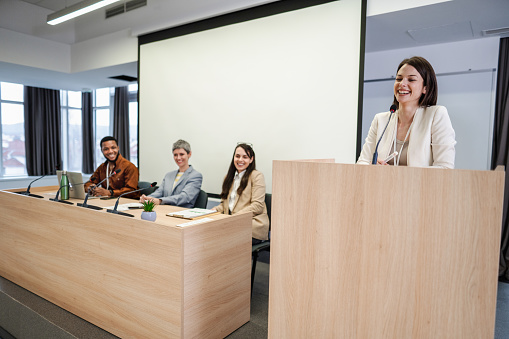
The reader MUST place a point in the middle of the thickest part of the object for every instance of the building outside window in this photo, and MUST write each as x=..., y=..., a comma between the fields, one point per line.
x=12, y=127
x=13, y=161
x=72, y=130
x=103, y=117
x=133, y=122
x=103, y=114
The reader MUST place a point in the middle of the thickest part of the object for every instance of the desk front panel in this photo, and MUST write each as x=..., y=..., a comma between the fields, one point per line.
x=123, y=274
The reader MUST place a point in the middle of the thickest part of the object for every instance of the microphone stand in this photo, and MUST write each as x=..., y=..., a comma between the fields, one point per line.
x=27, y=192
x=375, y=155
x=58, y=200
x=84, y=203
x=114, y=210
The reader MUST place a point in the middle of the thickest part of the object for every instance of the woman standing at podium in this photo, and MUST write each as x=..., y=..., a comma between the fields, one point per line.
x=244, y=191
x=419, y=133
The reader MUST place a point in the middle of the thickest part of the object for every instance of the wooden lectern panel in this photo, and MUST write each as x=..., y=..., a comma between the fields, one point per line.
x=383, y=252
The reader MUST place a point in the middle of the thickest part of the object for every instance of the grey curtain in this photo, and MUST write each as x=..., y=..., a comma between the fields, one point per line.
x=500, y=154
x=42, y=131
x=121, y=121
x=87, y=129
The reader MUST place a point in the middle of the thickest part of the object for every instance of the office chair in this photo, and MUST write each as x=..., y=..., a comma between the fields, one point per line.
x=202, y=200
x=147, y=189
x=264, y=245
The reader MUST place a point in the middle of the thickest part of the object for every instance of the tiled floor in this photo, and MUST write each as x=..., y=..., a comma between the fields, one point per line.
x=38, y=318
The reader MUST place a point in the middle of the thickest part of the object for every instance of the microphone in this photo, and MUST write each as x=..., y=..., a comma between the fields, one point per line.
x=84, y=203
x=375, y=155
x=117, y=171
x=58, y=200
x=114, y=210
x=27, y=192
x=68, y=202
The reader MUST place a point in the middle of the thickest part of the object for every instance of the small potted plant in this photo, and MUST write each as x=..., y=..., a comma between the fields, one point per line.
x=148, y=213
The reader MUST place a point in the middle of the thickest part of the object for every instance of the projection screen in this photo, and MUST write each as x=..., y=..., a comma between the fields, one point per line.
x=288, y=83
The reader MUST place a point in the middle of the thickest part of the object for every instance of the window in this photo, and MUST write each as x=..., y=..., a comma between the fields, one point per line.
x=70, y=102
x=13, y=161
x=103, y=115
x=12, y=127
x=133, y=122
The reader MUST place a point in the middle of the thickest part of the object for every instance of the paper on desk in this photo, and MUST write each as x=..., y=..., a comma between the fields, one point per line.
x=125, y=207
x=194, y=222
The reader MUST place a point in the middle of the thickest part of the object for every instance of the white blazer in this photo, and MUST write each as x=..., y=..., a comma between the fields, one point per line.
x=431, y=142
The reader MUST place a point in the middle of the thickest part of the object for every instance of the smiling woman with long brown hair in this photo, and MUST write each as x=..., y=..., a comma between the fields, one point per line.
x=420, y=133
x=244, y=191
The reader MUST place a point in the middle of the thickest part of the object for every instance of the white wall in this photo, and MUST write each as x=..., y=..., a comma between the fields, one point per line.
x=459, y=56
x=107, y=50
x=466, y=73
x=27, y=50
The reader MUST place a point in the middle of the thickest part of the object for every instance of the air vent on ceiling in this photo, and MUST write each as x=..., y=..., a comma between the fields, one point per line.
x=436, y=34
x=124, y=78
x=496, y=31
x=125, y=7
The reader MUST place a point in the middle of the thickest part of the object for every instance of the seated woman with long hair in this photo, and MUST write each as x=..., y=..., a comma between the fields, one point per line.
x=244, y=191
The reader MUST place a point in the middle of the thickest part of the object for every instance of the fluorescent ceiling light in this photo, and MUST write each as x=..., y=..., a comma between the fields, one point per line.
x=78, y=9
x=376, y=7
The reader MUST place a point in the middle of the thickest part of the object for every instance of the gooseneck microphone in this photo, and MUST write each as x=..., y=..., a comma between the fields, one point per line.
x=84, y=203
x=114, y=210
x=58, y=200
x=71, y=185
x=375, y=155
x=117, y=171
x=27, y=192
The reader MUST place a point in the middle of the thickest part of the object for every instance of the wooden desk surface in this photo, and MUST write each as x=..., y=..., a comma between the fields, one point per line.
x=132, y=277
x=48, y=192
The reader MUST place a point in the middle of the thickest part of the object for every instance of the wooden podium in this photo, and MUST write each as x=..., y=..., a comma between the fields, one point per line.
x=383, y=252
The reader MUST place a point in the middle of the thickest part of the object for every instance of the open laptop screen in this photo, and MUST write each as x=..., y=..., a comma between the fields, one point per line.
x=76, y=189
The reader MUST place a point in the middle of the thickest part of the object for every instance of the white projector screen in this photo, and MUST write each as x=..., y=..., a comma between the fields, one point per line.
x=288, y=83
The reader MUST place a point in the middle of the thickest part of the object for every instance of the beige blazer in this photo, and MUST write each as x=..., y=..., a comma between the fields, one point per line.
x=431, y=142
x=251, y=200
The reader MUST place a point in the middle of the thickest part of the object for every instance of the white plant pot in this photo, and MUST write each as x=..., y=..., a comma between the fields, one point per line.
x=149, y=216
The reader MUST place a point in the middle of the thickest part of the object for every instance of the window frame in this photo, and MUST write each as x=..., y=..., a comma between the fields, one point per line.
x=5, y=101
x=64, y=117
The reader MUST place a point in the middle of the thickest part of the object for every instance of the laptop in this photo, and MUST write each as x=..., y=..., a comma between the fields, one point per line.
x=76, y=182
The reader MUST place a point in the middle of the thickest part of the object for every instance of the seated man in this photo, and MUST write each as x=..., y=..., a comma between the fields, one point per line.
x=180, y=187
x=124, y=181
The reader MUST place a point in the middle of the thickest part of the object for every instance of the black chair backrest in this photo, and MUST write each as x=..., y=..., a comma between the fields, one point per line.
x=147, y=189
x=202, y=200
x=268, y=203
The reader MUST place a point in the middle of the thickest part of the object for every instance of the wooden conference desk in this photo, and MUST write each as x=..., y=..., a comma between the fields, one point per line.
x=131, y=277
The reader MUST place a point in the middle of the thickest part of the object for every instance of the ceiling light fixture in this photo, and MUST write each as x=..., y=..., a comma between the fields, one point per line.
x=78, y=9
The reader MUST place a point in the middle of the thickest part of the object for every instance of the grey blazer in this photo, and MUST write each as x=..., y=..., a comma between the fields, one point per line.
x=186, y=191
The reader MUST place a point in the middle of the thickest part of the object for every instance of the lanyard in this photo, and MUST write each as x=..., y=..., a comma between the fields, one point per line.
x=396, y=163
x=108, y=175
